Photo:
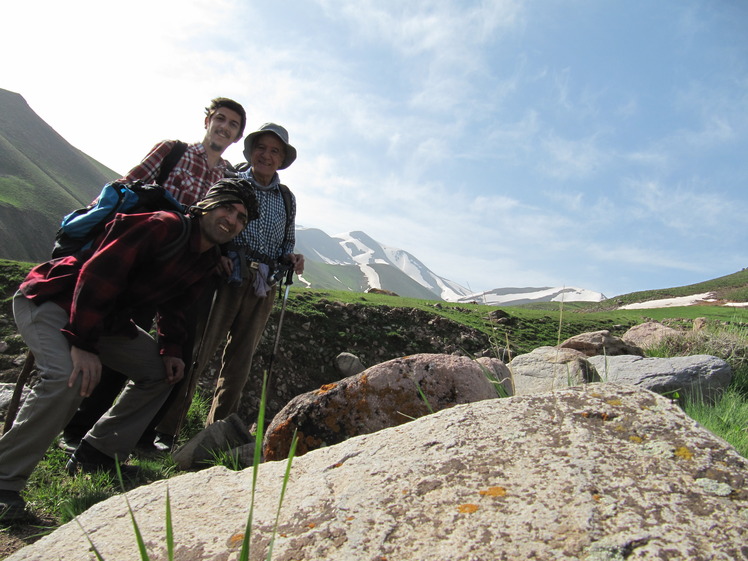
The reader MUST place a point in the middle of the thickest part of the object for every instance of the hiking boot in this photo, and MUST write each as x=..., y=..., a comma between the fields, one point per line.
x=68, y=443
x=88, y=459
x=12, y=506
x=164, y=442
x=154, y=444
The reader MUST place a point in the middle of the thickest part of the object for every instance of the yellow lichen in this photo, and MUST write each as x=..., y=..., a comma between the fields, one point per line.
x=326, y=388
x=684, y=453
x=636, y=439
x=614, y=402
x=494, y=492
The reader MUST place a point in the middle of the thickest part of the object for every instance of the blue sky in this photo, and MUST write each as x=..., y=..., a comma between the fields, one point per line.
x=588, y=143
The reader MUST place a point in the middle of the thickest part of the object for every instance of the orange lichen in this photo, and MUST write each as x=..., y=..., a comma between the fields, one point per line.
x=494, y=492
x=236, y=539
x=596, y=497
x=326, y=388
x=684, y=453
x=311, y=525
x=467, y=508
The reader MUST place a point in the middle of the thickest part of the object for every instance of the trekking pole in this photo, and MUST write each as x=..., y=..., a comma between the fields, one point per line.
x=15, y=401
x=288, y=283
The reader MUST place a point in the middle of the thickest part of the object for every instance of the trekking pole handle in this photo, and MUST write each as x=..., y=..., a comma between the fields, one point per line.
x=289, y=276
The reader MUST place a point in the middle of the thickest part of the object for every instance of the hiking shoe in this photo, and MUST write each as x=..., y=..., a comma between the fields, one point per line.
x=12, y=506
x=88, y=459
x=154, y=444
x=164, y=442
x=68, y=443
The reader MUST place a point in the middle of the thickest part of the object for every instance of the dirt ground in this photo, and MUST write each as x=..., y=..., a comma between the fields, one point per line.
x=13, y=538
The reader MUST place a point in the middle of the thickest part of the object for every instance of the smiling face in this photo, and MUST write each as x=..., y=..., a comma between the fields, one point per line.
x=222, y=223
x=267, y=155
x=222, y=128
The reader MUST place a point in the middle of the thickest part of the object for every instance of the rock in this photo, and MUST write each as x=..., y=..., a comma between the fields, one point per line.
x=497, y=314
x=649, y=334
x=550, y=368
x=348, y=364
x=698, y=376
x=6, y=394
x=699, y=324
x=498, y=374
x=382, y=396
x=600, y=472
x=381, y=291
x=221, y=436
x=600, y=343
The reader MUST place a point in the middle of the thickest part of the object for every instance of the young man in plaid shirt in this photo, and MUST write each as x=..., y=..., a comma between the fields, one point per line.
x=75, y=314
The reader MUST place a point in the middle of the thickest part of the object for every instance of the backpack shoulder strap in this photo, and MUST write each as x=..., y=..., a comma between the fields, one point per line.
x=171, y=249
x=171, y=160
x=286, y=193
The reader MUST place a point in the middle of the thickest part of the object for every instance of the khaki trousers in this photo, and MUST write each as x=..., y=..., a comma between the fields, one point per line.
x=51, y=403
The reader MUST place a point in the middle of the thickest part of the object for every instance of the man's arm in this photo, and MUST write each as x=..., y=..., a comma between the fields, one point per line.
x=129, y=242
x=148, y=169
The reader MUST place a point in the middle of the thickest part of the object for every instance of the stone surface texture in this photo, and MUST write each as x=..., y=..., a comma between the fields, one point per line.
x=697, y=376
x=599, y=472
x=385, y=395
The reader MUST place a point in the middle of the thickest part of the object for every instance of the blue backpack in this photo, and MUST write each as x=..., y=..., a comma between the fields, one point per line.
x=81, y=227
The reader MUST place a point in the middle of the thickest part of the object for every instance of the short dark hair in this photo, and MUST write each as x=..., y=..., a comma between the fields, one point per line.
x=229, y=104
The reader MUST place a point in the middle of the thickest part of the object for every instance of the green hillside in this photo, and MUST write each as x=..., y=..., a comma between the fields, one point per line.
x=42, y=178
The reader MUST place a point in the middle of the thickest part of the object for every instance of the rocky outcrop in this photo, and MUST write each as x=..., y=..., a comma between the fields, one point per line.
x=700, y=377
x=550, y=368
x=597, y=472
x=600, y=343
x=382, y=396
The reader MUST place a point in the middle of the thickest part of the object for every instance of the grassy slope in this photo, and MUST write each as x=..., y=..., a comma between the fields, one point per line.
x=42, y=178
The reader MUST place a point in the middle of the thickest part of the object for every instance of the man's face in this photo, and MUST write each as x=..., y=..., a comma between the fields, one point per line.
x=268, y=153
x=222, y=223
x=222, y=129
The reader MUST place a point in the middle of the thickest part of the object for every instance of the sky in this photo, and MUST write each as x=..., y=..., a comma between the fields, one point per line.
x=597, y=144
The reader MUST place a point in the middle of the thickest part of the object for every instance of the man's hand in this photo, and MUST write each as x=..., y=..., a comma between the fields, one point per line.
x=174, y=369
x=89, y=367
x=297, y=260
x=225, y=266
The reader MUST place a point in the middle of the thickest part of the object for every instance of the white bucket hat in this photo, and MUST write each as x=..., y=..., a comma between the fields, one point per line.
x=278, y=131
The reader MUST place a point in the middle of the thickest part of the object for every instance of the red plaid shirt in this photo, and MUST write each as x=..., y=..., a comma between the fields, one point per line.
x=101, y=288
x=190, y=179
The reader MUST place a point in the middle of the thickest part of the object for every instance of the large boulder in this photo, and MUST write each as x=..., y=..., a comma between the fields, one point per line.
x=649, y=334
x=697, y=376
x=550, y=368
x=600, y=343
x=600, y=472
x=385, y=395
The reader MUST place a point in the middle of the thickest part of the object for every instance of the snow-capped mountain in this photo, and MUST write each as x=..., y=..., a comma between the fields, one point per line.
x=354, y=261
x=357, y=262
